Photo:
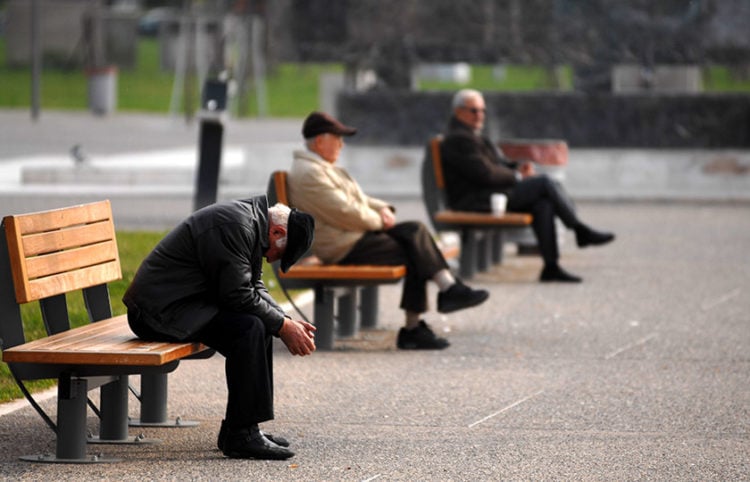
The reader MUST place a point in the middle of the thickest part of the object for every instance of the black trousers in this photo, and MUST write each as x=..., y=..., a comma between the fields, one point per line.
x=409, y=243
x=545, y=199
x=247, y=348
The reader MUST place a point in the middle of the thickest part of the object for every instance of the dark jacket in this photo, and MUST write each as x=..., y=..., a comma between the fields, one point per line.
x=473, y=168
x=211, y=261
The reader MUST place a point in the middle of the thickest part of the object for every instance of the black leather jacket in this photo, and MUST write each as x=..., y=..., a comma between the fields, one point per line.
x=211, y=261
x=473, y=168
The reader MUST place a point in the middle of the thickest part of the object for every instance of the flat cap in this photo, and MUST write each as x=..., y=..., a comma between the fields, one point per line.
x=321, y=123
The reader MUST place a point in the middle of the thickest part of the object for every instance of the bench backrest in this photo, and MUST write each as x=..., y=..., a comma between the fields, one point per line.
x=433, y=182
x=62, y=250
x=46, y=255
x=277, y=189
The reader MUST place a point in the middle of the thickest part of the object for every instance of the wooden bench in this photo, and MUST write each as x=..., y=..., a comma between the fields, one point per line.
x=45, y=256
x=341, y=285
x=481, y=233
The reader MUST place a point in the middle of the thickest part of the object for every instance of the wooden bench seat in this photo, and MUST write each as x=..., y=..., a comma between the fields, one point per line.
x=44, y=257
x=107, y=342
x=470, y=218
x=481, y=233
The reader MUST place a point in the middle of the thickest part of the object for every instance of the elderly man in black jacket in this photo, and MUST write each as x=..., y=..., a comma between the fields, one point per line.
x=203, y=283
x=474, y=169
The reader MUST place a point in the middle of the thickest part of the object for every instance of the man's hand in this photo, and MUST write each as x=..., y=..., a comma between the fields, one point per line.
x=389, y=219
x=527, y=169
x=298, y=336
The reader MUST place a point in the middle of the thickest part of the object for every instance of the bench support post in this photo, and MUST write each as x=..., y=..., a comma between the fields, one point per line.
x=497, y=246
x=114, y=407
x=347, y=313
x=484, y=248
x=469, y=253
x=323, y=313
x=71, y=418
x=368, y=306
x=72, y=399
x=154, y=390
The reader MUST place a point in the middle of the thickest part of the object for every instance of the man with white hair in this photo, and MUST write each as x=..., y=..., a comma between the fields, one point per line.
x=474, y=169
x=202, y=283
x=354, y=228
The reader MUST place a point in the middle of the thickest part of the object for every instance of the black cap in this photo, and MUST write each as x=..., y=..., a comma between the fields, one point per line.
x=320, y=123
x=299, y=237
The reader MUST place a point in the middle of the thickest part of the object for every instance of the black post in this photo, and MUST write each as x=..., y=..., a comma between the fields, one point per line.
x=211, y=134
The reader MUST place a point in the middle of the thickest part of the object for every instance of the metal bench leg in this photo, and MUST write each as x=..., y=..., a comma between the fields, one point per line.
x=72, y=400
x=347, y=313
x=154, y=404
x=484, y=247
x=368, y=306
x=323, y=315
x=468, y=253
x=113, y=426
x=497, y=246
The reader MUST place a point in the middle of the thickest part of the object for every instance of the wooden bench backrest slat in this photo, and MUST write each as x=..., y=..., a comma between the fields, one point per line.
x=62, y=250
x=71, y=259
x=279, y=179
x=437, y=163
x=66, y=238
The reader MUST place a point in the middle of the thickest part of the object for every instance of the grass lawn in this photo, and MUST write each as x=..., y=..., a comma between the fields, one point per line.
x=292, y=88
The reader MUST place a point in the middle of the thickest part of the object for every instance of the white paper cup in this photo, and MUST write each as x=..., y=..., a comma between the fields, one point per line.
x=498, y=203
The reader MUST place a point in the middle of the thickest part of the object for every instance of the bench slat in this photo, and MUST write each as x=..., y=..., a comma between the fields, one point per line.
x=54, y=263
x=71, y=237
x=71, y=281
x=59, y=218
x=484, y=219
x=107, y=342
x=341, y=272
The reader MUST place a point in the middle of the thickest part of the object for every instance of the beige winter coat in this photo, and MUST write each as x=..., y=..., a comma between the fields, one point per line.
x=342, y=212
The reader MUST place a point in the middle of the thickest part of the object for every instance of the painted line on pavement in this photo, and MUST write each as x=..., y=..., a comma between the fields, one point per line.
x=630, y=345
x=707, y=305
x=518, y=402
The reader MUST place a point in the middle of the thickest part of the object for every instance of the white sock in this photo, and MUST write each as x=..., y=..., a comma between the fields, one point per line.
x=444, y=279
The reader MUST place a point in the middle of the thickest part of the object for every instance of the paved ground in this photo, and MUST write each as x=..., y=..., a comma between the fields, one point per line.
x=640, y=373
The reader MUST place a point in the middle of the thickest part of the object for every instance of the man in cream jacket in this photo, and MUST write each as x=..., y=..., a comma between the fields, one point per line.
x=354, y=228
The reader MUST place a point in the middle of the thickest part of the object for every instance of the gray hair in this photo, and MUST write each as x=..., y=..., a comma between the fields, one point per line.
x=279, y=214
x=459, y=99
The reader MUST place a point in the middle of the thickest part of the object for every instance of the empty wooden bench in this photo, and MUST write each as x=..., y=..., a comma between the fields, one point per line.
x=335, y=286
x=481, y=233
x=45, y=256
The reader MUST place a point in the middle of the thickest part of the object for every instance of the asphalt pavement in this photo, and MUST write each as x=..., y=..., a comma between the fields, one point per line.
x=641, y=372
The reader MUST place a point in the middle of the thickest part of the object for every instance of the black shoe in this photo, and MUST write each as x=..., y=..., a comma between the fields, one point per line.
x=280, y=441
x=585, y=236
x=420, y=338
x=250, y=443
x=460, y=296
x=556, y=273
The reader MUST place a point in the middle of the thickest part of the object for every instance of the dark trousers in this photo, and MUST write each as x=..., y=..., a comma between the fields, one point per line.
x=247, y=348
x=545, y=199
x=409, y=243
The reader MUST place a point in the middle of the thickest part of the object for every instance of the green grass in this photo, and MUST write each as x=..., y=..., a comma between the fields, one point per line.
x=292, y=89
x=723, y=79
x=133, y=247
x=516, y=78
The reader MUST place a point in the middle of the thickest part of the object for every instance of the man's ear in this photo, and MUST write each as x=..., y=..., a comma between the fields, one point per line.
x=278, y=230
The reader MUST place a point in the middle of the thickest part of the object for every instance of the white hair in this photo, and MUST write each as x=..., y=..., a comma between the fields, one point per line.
x=460, y=97
x=279, y=214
